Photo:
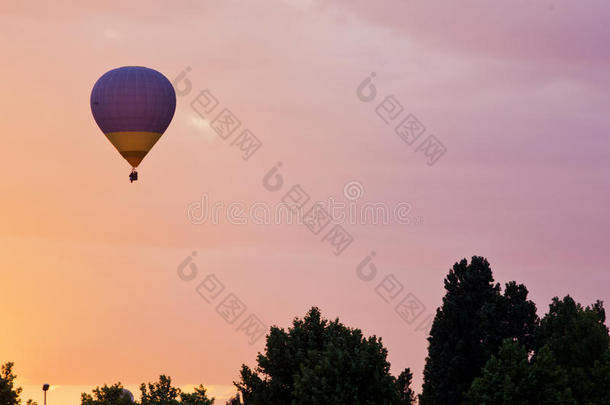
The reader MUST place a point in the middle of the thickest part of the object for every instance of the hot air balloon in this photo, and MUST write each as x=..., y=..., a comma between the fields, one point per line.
x=133, y=107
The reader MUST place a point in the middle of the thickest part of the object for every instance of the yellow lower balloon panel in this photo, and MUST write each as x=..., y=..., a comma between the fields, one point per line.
x=133, y=146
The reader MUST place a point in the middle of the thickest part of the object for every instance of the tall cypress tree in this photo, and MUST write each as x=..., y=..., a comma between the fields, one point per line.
x=406, y=395
x=469, y=327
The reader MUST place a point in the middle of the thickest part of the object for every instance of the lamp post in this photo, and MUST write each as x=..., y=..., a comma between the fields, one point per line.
x=45, y=388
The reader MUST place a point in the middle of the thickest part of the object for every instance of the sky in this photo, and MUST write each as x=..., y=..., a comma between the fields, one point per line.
x=95, y=276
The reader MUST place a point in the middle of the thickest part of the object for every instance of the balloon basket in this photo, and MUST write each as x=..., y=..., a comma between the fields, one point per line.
x=133, y=176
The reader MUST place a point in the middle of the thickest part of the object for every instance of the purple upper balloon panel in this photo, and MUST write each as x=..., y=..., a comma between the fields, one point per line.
x=133, y=98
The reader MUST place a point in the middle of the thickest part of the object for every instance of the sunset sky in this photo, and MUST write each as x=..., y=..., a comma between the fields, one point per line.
x=517, y=92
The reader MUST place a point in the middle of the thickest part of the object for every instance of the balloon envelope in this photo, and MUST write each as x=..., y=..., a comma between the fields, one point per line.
x=133, y=107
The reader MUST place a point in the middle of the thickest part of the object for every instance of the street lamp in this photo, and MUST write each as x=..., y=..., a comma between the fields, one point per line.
x=45, y=388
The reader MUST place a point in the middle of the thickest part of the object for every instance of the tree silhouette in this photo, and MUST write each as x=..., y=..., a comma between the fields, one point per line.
x=159, y=393
x=9, y=394
x=406, y=396
x=510, y=378
x=319, y=362
x=199, y=397
x=106, y=395
x=579, y=340
x=570, y=364
x=234, y=400
x=469, y=328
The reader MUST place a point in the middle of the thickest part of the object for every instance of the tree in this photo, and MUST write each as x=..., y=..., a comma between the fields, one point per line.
x=199, y=397
x=158, y=393
x=571, y=363
x=509, y=378
x=600, y=381
x=406, y=396
x=579, y=340
x=576, y=335
x=9, y=394
x=516, y=316
x=469, y=328
x=234, y=400
x=162, y=392
x=107, y=395
x=319, y=362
